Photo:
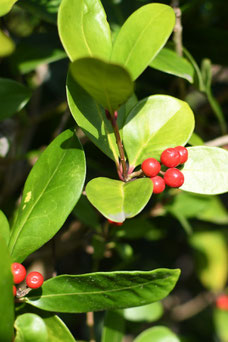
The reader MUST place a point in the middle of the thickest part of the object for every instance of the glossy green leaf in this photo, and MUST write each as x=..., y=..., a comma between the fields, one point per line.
x=6, y=45
x=51, y=191
x=91, y=118
x=211, y=258
x=117, y=200
x=30, y=327
x=57, y=330
x=5, y=6
x=221, y=324
x=13, y=97
x=205, y=171
x=113, y=329
x=87, y=32
x=6, y=290
x=157, y=334
x=44, y=9
x=170, y=62
x=35, y=50
x=103, y=291
x=142, y=36
x=154, y=124
x=148, y=313
x=4, y=227
x=114, y=86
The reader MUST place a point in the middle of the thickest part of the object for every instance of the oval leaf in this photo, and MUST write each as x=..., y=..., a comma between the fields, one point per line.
x=157, y=334
x=211, y=258
x=103, y=291
x=87, y=32
x=6, y=6
x=13, y=97
x=4, y=227
x=205, y=171
x=51, y=191
x=117, y=200
x=154, y=124
x=109, y=84
x=148, y=313
x=6, y=290
x=91, y=118
x=57, y=330
x=142, y=36
x=170, y=62
x=30, y=327
x=6, y=45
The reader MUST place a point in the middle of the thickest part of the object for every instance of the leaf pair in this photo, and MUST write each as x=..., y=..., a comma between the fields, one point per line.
x=103, y=69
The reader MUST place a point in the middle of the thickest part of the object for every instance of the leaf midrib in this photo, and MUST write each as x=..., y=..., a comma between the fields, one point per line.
x=34, y=205
x=102, y=292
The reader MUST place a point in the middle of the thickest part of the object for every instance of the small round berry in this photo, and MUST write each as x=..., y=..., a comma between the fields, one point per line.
x=170, y=157
x=151, y=167
x=159, y=184
x=115, y=223
x=174, y=178
x=183, y=153
x=222, y=302
x=14, y=290
x=19, y=272
x=34, y=280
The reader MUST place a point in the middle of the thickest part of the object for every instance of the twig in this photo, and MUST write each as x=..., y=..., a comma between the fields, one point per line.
x=123, y=166
x=135, y=174
x=221, y=141
x=193, y=306
x=90, y=324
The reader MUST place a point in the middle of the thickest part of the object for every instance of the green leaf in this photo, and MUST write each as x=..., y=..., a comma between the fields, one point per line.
x=142, y=36
x=35, y=50
x=148, y=313
x=6, y=6
x=154, y=124
x=117, y=200
x=30, y=327
x=91, y=118
x=6, y=290
x=4, y=227
x=215, y=211
x=57, y=330
x=195, y=140
x=114, y=86
x=205, y=171
x=6, y=45
x=157, y=334
x=113, y=329
x=51, y=191
x=211, y=258
x=170, y=62
x=87, y=32
x=221, y=324
x=103, y=291
x=13, y=97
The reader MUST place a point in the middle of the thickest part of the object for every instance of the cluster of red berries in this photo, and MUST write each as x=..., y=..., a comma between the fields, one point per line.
x=222, y=302
x=173, y=177
x=33, y=279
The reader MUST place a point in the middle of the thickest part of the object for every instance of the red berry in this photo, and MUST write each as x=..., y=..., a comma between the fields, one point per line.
x=174, y=178
x=14, y=290
x=34, y=280
x=151, y=167
x=159, y=184
x=222, y=302
x=19, y=272
x=115, y=223
x=170, y=157
x=183, y=153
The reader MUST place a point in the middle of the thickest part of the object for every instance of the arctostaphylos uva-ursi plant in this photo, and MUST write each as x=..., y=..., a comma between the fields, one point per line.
x=148, y=141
